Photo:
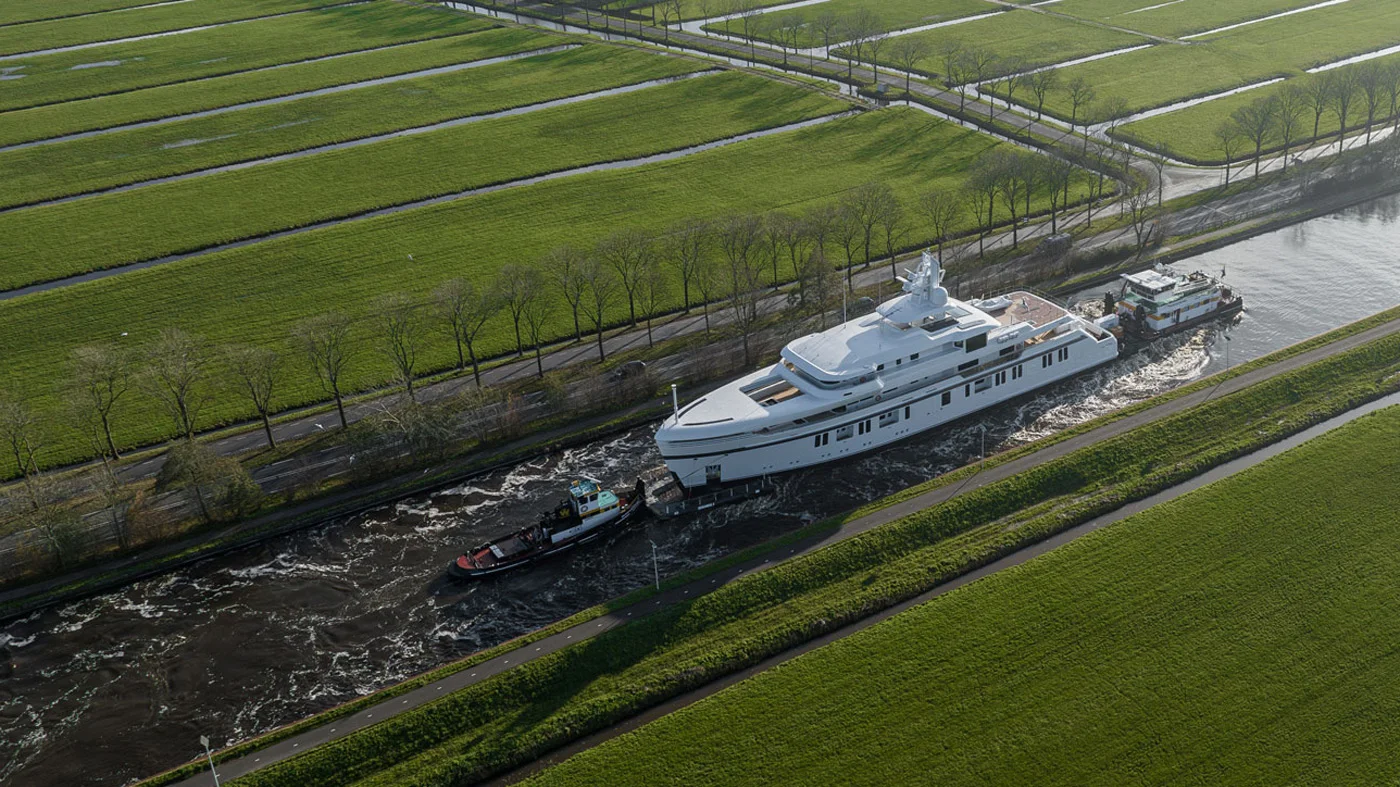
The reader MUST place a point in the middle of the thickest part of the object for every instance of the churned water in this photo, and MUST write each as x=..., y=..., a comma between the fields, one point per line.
x=113, y=688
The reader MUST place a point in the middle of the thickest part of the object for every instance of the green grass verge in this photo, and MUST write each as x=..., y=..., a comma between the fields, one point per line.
x=51, y=79
x=892, y=14
x=1034, y=38
x=255, y=294
x=1241, y=634
x=1166, y=74
x=18, y=11
x=87, y=165
x=155, y=103
x=57, y=33
x=1174, y=19
x=540, y=705
x=1190, y=133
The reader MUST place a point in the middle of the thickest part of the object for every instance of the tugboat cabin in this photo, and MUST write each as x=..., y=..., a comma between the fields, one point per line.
x=1162, y=299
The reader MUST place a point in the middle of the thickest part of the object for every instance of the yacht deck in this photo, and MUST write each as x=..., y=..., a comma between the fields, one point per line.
x=1030, y=308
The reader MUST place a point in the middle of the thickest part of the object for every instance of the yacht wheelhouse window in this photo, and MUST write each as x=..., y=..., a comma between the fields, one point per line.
x=976, y=342
x=1008, y=350
x=892, y=417
x=947, y=398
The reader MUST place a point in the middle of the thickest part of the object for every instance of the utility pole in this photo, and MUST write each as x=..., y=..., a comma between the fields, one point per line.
x=204, y=740
x=655, y=567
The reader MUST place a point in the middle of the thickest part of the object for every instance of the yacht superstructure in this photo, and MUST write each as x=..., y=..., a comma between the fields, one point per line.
x=920, y=360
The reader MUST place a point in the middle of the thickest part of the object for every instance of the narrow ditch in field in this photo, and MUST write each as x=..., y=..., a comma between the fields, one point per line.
x=360, y=142
x=148, y=36
x=325, y=91
x=620, y=164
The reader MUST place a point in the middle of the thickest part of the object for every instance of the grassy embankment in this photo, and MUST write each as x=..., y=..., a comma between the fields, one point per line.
x=18, y=11
x=86, y=165
x=1278, y=48
x=35, y=36
x=1243, y=634
x=1174, y=19
x=540, y=705
x=154, y=103
x=1190, y=133
x=893, y=15
x=255, y=294
x=50, y=79
x=1033, y=38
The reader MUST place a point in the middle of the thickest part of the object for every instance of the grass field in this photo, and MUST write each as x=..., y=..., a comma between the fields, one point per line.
x=1185, y=17
x=1281, y=47
x=535, y=707
x=703, y=9
x=1190, y=133
x=893, y=15
x=118, y=158
x=255, y=294
x=293, y=193
x=154, y=103
x=143, y=21
x=18, y=11
x=1243, y=634
x=116, y=68
x=1034, y=39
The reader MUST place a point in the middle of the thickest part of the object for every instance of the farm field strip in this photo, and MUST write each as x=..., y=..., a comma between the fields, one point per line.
x=1065, y=64
x=257, y=292
x=116, y=68
x=1176, y=19
x=283, y=99
x=155, y=105
x=1351, y=61
x=894, y=15
x=1166, y=75
x=277, y=132
x=1247, y=23
x=18, y=12
x=134, y=24
x=124, y=227
x=371, y=140
x=1088, y=664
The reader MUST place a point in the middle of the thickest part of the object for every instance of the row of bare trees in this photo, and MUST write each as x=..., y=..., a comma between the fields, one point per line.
x=1281, y=119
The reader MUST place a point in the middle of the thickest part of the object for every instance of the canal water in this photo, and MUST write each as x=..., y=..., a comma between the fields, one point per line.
x=117, y=687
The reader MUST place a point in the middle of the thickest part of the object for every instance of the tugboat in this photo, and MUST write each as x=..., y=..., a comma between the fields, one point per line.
x=1155, y=303
x=587, y=513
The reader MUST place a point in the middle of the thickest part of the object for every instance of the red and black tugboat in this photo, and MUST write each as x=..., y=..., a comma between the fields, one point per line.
x=589, y=512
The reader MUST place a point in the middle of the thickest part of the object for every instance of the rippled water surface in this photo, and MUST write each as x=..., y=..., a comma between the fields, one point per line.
x=113, y=688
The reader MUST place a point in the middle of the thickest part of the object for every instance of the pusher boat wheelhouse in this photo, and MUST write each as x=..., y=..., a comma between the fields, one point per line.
x=920, y=360
x=586, y=514
x=1157, y=302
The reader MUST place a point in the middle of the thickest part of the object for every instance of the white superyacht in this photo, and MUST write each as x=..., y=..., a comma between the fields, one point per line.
x=918, y=361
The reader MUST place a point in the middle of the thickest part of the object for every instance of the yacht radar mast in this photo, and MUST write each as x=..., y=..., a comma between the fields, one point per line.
x=924, y=295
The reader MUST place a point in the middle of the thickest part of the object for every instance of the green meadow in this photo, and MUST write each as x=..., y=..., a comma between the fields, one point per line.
x=1184, y=17
x=18, y=11
x=154, y=103
x=95, y=163
x=48, y=79
x=1242, y=634
x=1033, y=38
x=1282, y=47
x=893, y=15
x=155, y=221
x=257, y=293
x=35, y=36
x=1190, y=133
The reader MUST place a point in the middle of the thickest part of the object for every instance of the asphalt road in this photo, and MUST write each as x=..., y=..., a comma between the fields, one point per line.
x=314, y=737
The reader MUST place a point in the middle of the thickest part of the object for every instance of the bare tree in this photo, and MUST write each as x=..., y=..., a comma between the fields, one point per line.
x=866, y=203
x=1011, y=185
x=1057, y=174
x=1141, y=214
x=848, y=234
x=1371, y=78
x=1392, y=91
x=1256, y=122
x=1227, y=137
x=827, y=24
x=775, y=233
x=908, y=52
x=874, y=43
x=465, y=309
x=326, y=342
x=101, y=377
x=670, y=12
x=859, y=28
x=400, y=326
x=1344, y=84
x=1289, y=114
x=627, y=252
x=19, y=428
x=516, y=285
x=564, y=266
x=536, y=314
x=1012, y=78
x=981, y=64
x=707, y=282
x=819, y=222
x=748, y=10
x=175, y=375
x=600, y=290
x=894, y=225
x=950, y=56
x=738, y=236
x=796, y=237
x=1041, y=83
x=984, y=181
x=1317, y=97
x=685, y=245
x=818, y=282
x=941, y=209
x=652, y=291
x=256, y=372
x=1156, y=155
x=1081, y=95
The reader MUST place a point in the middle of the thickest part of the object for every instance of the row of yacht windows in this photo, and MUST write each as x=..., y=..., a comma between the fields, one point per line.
x=888, y=418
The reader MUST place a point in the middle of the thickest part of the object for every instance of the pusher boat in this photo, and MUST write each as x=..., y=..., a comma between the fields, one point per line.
x=1162, y=301
x=589, y=512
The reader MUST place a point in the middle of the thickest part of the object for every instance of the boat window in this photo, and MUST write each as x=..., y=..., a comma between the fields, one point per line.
x=914, y=357
x=845, y=432
x=892, y=417
x=1064, y=353
x=1017, y=371
x=1001, y=378
x=906, y=412
x=982, y=384
x=880, y=368
x=976, y=342
x=947, y=398
x=1008, y=350
x=969, y=365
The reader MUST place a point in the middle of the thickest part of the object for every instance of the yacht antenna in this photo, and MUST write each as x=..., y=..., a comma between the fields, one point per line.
x=675, y=403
